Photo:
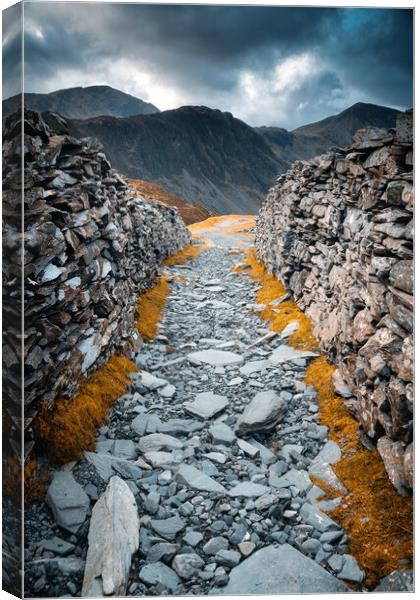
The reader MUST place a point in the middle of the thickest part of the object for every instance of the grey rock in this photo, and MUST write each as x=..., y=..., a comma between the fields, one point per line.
x=150, y=381
x=262, y=413
x=124, y=449
x=248, y=489
x=193, y=538
x=298, y=574
x=68, y=501
x=158, y=572
x=299, y=479
x=214, y=545
x=168, y=528
x=196, y=479
x=113, y=539
x=397, y=581
x=330, y=454
x=159, y=441
x=250, y=450
x=222, y=434
x=228, y=558
x=325, y=473
x=57, y=546
x=216, y=358
x=351, y=570
x=162, y=551
x=312, y=516
x=187, y=565
x=287, y=353
x=206, y=405
x=180, y=426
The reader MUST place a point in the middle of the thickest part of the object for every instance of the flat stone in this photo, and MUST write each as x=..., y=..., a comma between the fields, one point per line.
x=248, y=489
x=246, y=548
x=68, y=501
x=299, y=479
x=159, y=458
x=235, y=381
x=125, y=449
x=113, y=539
x=150, y=381
x=158, y=573
x=162, y=551
x=168, y=391
x=206, y=405
x=193, y=538
x=324, y=472
x=187, y=565
x=288, y=448
x=312, y=516
x=262, y=413
x=180, y=426
x=216, y=358
x=57, y=546
x=168, y=528
x=330, y=454
x=159, y=441
x=298, y=575
x=250, y=450
x=216, y=457
x=287, y=353
x=214, y=545
x=228, y=558
x=351, y=570
x=222, y=434
x=255, y=366
x=196, y=479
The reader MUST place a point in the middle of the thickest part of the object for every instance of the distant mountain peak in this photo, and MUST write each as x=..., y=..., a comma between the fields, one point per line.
x=84, y=102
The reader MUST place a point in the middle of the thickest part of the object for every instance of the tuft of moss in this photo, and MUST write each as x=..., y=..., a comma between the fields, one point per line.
x=150, y=305
x=69, y=427
x=35, y=480
x=278, y=317
x=187, y=253
x=378, y=520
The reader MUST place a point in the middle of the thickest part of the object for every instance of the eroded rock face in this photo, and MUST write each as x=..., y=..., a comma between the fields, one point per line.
x=338, y=231
x=91, y=247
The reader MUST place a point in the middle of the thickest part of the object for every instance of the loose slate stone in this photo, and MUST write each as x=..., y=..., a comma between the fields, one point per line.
x=287, y=353
x=299, y=479
x=262, y=413
x=159, y=441
x=160, y=459
x=228, y=558
x=330, y=453
x=250, y=450
x=214, y=545
x=68, y=501
x=180, y=426
x=398, y=581
x=255, y=366
x=351, y=570
x=222, y=434
x=159, y=573
x=57, y=546
x=207, y=405
x=124, y=449
x=113, y=539
x=168, y=528
x=312, y=516
x=296, y=574
x=216, y=358
x=325, y=473
x=162, y=551
x=248, y=489
x=150, y=381
x=196, y=479
x=187, y=565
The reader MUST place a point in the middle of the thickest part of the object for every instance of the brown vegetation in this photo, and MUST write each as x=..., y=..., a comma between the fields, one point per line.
x=149, y=308
x=191, y=213
x=69, y=427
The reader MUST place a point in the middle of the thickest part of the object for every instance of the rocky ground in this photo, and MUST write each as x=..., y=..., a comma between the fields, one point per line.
x=206, y=461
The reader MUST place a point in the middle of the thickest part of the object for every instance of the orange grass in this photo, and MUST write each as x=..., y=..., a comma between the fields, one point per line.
x=187, y=253
x=283, y=314
x=378, y=520
x=35, y=480
x=149, y=308
x=225, y=223
x=69, y=427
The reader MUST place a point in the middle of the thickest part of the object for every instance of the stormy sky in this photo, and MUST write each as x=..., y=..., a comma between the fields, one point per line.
x=267, y=65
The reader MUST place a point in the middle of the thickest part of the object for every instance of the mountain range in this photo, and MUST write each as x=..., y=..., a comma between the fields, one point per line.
x=203, y=155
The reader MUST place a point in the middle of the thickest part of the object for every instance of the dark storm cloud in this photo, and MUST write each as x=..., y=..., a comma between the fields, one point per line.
x=236, y=58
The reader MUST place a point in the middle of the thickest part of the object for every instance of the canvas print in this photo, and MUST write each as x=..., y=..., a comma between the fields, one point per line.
x=207, y=299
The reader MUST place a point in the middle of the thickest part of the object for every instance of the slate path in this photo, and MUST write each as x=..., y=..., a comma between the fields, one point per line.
x=210, y=504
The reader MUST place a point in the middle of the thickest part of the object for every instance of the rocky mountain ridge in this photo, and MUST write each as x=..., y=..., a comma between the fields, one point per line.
x=338, y=231
x=83, y=103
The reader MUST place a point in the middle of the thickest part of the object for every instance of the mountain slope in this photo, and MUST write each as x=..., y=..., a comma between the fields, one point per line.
x=205, y=156
x=191, y=213
x=82, y=103
x=315, y=138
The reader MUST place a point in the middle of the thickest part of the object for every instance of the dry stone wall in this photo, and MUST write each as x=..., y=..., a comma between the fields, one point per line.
x=338, y=232
x=90, y=248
